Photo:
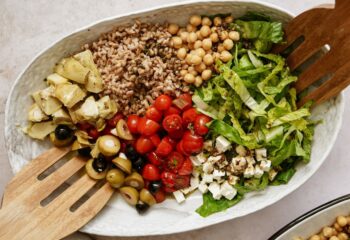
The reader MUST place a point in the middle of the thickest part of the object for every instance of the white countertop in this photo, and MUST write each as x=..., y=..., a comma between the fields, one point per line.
x=26, y=27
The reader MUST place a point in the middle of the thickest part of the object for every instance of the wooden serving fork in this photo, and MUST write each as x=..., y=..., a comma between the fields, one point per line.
x=23, y=215
x=321, y=27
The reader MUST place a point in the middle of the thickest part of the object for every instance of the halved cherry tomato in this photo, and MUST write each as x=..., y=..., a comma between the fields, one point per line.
x=114, y=120
x=171, y=141
x=177, y=134
x=192, y=143
x=187, y=97
x=200, y=126
x=93, y=133
x=189, y=116
x=174, y=161
x=84, y=126
x=182, y=182
x=169, y=189
x=144, y=145
x=132, y=123
x=172, y=110
x=163, y=102
x=164, y=148
x=155, y=139
x=147, y=127
x=154, y=114
x=172, y=123
x=159, y=196
x=154, y=159
x=187, y=167
x=150, y=172
x=180, y=149
x=168, y=179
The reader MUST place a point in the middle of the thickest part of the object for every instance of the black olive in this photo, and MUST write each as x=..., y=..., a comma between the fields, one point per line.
x=142, y=207
x=99, y=163
x=131, y=153
x=63, y=132
x=139, y=163
x=85, y=152
x=154, y=186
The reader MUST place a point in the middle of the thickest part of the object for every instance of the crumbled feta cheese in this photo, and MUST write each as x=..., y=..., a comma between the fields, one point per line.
x=208, y=178
x=186, y=190
x=114, y=132
x=222, y=164
x=194, y=182
x=208, y=167
x=196, y=172
x=222, y=144
x=122, y=155
x=272, y=174
x=208, y=145
x=217, y=174
x=179, y=196
x=232, y=179
x=214, y=159
x=241, y=151
x=203, y=187
x=265, y=165
x=258, y=172
x=214, y=188
x=249, y=171
x=227, y=190
x=220, y=180
x=198, y=159
x=261, y=154
x=250, y=160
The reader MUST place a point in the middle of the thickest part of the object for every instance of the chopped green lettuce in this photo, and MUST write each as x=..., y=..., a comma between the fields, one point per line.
x=211, y=205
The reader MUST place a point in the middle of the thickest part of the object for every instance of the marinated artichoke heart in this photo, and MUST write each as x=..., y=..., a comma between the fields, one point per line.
x=41, y=130
x=95, y=151
x=61, y=117
x=46, y=100
x=35, y=114
x=69, y=94
x=88, y=111
x=83, y=138
x=55, y=79
x=94, y=81
x=107, y=107
x=100, y=124
x=72, y=69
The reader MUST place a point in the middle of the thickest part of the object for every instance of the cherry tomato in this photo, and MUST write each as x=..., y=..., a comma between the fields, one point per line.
x=182, y=182
x=175, y=161
x=180, y=149
x=163, y=102
x=164, y=148
x=189, y=116
x=84, y=126
x=154, y=114
x=187, y=97
x=132, y=123
x=200, y=127
x=154, y=159
x=172, y=123
x=168, y=179
x=147, y=127
x=176, y=135
x=169, y=189
x=192, y=143
x=144, y=145
x=186, y=168
x=172, y=110
x=93, y=133
x=159, y=196
x=113, y=121
x=155, y=139
x=171, y=141
x=150, y=172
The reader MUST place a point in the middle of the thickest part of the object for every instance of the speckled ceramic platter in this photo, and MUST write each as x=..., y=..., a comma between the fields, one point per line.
x=117, y=218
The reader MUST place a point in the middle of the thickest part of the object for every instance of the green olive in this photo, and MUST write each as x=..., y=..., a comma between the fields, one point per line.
x=147, y=197
x=115, y=177
x=135, y=180
x=123, y=163
x=108, y=145
x=130, y=195
x=123, y=130
x=90, y=170
x=60, y=143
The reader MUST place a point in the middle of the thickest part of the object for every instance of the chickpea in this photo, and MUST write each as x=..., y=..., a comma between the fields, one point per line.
x=199, y=35
x=223, y=35
x=337, y=227
x=217, y=21
x=206, y=21
x=205, y=31
x=348, y=219
x=198, y=81
x=192, y=71
x=216, y=55
x=334, y=238
x=213, y=29
x=207, y=44
x=183, y=72
x=343, y=236
x=181, y=53
x=315, y=237
x=225, y=56
x=328, y=231
x=206, y=74
x=177, y=42
x=234, y=35
x=195, y=20
x=197, y=44
x=214, y=37
x=228, y=44
x=195, y=60
x=221, y=48
x=189, y=78
x=188, y=58
x=184, y=36
x=208, y=60
x=190, y=28
x=200, y=52
x=181, y=30
x=200, y=68
x=173, y=28
x=192, y=37
x=228, y=19
x=342, y=221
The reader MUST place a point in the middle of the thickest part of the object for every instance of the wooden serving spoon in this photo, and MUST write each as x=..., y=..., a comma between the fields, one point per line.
x=321, y=27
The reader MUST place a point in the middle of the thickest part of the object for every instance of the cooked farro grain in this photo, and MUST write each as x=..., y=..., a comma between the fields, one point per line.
x=137, y=64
